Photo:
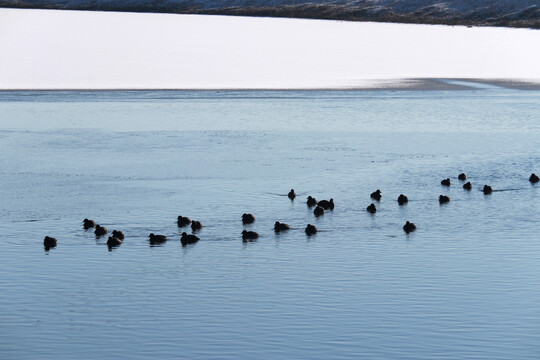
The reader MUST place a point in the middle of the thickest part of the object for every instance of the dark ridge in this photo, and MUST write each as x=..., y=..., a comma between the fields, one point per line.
x=521, y=14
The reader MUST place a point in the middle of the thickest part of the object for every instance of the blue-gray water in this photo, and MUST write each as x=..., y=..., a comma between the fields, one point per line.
x=464, y=285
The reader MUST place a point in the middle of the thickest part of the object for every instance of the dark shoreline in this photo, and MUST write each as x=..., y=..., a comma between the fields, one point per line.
x=525, y=18
x=431, y=84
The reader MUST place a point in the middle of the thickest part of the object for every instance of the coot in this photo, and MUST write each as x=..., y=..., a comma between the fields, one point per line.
x=402, y=199
x=310, y=229
x=188, y=239
x=281, y=227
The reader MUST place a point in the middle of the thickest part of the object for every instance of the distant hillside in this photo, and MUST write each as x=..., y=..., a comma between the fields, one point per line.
x=512, y=13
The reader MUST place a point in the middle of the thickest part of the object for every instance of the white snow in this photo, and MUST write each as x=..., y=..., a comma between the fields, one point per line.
x=56, y=49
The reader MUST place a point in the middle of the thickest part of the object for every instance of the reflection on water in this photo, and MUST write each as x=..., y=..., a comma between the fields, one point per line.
x=463, y=285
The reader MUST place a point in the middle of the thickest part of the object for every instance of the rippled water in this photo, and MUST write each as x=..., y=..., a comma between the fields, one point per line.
x=464, y=285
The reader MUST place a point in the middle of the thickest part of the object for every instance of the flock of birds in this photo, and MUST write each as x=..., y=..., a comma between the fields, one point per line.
x=320, y=207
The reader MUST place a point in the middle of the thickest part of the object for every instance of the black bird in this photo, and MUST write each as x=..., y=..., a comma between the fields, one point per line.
x=281, y=226
x=248, y=219
x=100, y=230
x=188, y=239
x=445, y=182
x=249, y=235
x=467, y=186
x=409, y=227
x=319, y=210
x=310, y=229
x=157, y=239
x=49, y=242
x=487, y=189
x=326, y=205
x=114, y=241
x=443, y=199
x=376, y=195
x=534, y=178
x=88, y=224
x=183, y=221
x=118, y=234
x=462, y=177
x=402, y=199
x=196, y=225
x=291, y=194
x=311, y=201
x=372, y=208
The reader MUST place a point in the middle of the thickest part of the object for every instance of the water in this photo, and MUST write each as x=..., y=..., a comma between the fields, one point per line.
x=464, y=285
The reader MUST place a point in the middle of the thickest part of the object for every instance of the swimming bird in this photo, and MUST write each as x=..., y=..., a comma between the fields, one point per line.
x=100, y=230
x=487, y=189
x=248, y=219
x=188, y=239
x=281, y=226
x=534, y=178
x=319, y=210
x=114, y=241
x=310, y=230
x=311, y=201
x=443, y=199
x=409, y=227
x=196, y=225
x=376, y=195
x=326, y=205
x=183, y=221
x=467, y=186
x=372, y=208
x=291, y=194
x=118, y=234
x=157, y=239
x=88, y=224
x=249, y=235
x=446, y=182
x=402, y=199
x=49, y=242
x=462, y=177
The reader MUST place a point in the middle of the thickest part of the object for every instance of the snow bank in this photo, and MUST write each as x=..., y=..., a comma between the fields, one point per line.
x=55, y=49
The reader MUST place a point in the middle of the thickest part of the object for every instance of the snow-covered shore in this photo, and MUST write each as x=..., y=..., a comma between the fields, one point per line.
x=55, y=49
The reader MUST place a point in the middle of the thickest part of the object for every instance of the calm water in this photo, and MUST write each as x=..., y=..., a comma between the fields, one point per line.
x=464, y=285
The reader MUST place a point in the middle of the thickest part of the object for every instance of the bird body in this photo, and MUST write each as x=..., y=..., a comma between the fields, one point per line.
x=118, y=234
x=319, y=211
x=281, y=227
x=534, y=178
x=311, y=201
x=100, y=230
x=188, y=239
x=291, y=194
x=409, y=227
x=114, y=241
x=326, y=204
x=88, y=224
x=376, y=195
x=157, y=239
x=248, y=219
x=183, y=221
x=467, y=186
x=196, y=225
x=443, y=199
x=310, y=230
x=49, y=242
x=372, y=208
x=462, y=177
x=487, y=189
x=402, y=199
x=249, y=235
x=445, y=182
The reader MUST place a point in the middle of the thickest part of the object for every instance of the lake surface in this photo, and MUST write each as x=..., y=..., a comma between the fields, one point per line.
x=465, y=285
